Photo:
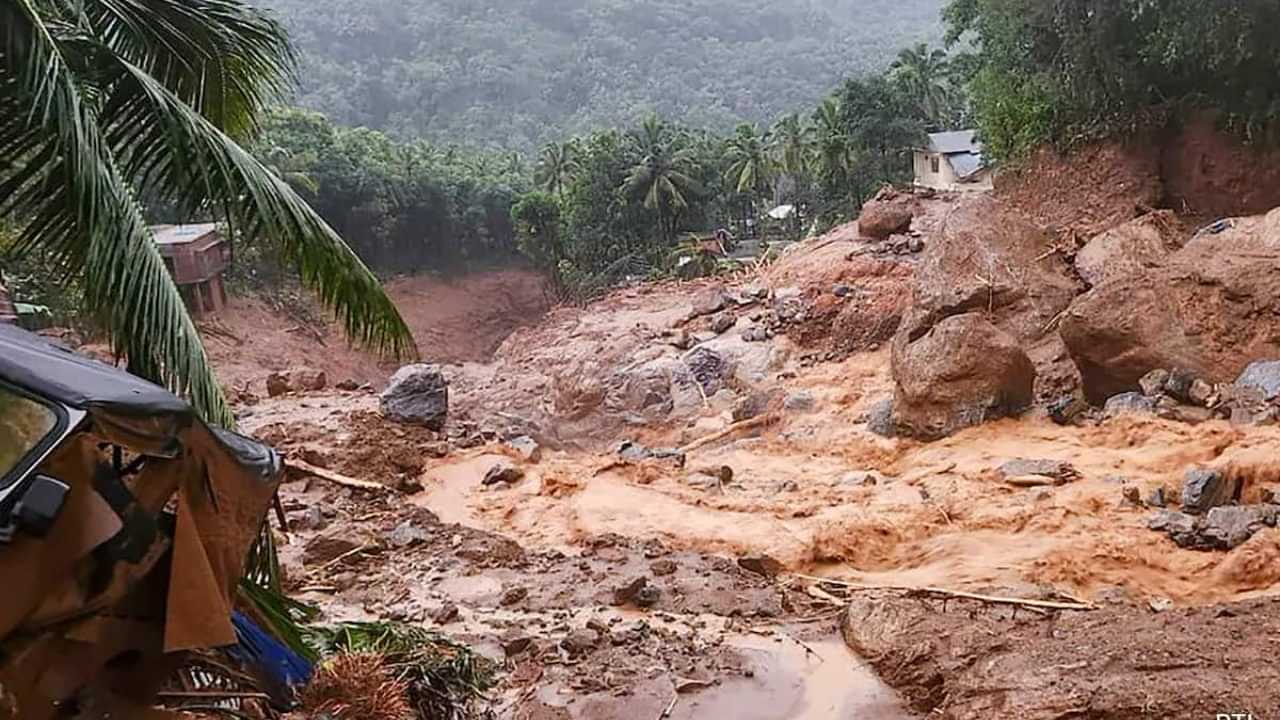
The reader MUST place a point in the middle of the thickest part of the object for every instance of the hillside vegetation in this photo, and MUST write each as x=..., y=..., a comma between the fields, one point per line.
x=518, y=73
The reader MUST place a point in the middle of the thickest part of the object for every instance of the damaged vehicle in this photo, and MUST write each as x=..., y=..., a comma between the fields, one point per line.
x=125, y=524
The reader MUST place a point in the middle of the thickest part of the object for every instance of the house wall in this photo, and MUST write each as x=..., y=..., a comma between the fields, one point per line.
x=945, y=178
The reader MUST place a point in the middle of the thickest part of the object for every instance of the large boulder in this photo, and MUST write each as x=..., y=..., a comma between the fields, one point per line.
x=889, y=213
x=417, y=395
x=962, y=371
x=1124, y=249
x=1209, y=309
x=987, y=258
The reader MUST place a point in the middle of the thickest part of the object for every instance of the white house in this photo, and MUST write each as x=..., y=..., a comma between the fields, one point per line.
x=952, y=161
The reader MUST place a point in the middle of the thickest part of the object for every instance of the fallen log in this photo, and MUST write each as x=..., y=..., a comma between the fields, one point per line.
x=943, y=592
x=737, y=427
x=306, y=468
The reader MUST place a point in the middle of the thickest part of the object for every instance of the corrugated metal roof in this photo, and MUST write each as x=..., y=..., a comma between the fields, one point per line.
x=179, y=234
x=966, y=164
x=959, y=141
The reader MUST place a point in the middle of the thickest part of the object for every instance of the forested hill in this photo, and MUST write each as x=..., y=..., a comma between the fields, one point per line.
x=517, y=73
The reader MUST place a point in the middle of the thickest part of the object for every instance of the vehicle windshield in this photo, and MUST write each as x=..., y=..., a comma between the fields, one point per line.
x=24, y=424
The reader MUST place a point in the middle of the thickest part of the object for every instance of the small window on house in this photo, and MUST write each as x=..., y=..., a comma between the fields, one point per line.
x=935, y=165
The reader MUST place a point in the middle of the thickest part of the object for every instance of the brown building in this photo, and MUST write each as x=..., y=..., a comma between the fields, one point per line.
x=196, y=256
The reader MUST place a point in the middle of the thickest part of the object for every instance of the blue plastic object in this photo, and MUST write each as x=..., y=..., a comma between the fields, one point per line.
x=280, y=665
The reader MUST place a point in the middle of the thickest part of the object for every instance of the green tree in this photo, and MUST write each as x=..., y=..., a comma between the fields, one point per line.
x=750, y=170
x=556, y=167
x=924, y=75
x=538, y=231
x=792, y=143
x=830, y=145
x=662, y=177
x=106, y=102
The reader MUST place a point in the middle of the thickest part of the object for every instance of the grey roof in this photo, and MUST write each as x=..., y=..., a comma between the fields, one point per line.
x=959, y=141
x=179, y=234
x=966, y=164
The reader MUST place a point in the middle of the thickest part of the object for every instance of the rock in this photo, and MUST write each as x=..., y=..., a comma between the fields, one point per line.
x=1140, y=243
x=1131, y=495
x=799, y=401
x=762, y=565
x=580, y=642
x=632, y=450
x=406, y=534
x=1201, y=393
x=311, y=519
x=513, y=595
x=1157, y=498
x=722, y=323
x=417, y=395
x=663, y=567
x=637, y=592
x=889, y=213
x=277, y=385
x=308, y=379
x=445, y=614
x=527, y=448
x=1160, y=604
x=1061, y=471
x=1152, y=384
x=348, y=385
x=1172, y=522
x=961, y=372
x=841, y=290
x=326, y=548
x=915, y=244
x=517, y=645
x=1206, y=489
x=409, y=485
x=755, y=333
x=751, y=405
x=1178, y=386
x=861, y=478
x=1201, y=309
x=1129, y=403
x=755, y=291
x=709, y=300
x=1186, y=414
x=682, y=340
x=1264, y=376
x=1226, y=528
x=880, y=419
x=1069, y=410
x=503, y=472
x=709, y=369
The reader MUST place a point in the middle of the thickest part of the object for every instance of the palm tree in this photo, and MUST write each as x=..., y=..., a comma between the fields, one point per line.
x=281, y=164
x=792, y=142
x=830, y=142
x=104, y=102
x=557, y=166
x=750, y=167
x=923, y=74
x=663, y=174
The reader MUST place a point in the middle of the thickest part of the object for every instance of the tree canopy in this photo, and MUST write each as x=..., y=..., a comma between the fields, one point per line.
x=517, y=74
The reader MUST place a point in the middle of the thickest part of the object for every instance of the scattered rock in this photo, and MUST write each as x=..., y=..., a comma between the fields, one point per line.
x=751, y=405
x=580, y=642
x=755, y=333
x=1264, y=376
x=709, y=300
x=1225, y=528
x=1160, y=604
x=517, y=645
x=841, y=290
x=503, y=472
x=663, y=567
x=308, y=379
x=722, y=323
x=1131, y=495
x=409, y=485
x=1172, y=522
x=1178, y=386
x=406, y=534
x=326, y=548
x=1157, y=498
x=513, y=595
x=632, y=450
x=277, y=385
x=312, y=519
x=1201, y=393
x=1206, y=489
x=1059, y=470
x=682, y=340
x=1127, y=248
x=880, y=419
x=347, y=385
x=445, y=614
x=762, y=565
x=861, y=478
x=709, y=369
x=1153, y=383
x=799, y=401
x=637, y=592
x=417, y=395
x=888, y=213
x=527, y=448
x=1129, y=403
x=961, y=372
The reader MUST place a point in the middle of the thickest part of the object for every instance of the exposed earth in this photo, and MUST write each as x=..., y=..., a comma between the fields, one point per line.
x=804, y=492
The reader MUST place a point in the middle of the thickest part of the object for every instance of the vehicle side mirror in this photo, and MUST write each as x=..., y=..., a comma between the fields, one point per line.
x=40, y=505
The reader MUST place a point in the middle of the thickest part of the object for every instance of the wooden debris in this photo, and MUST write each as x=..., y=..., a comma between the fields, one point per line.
x=307, y=468
x=755, y=422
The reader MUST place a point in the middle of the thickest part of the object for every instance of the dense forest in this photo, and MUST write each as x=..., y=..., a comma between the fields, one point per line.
x=518, y=73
